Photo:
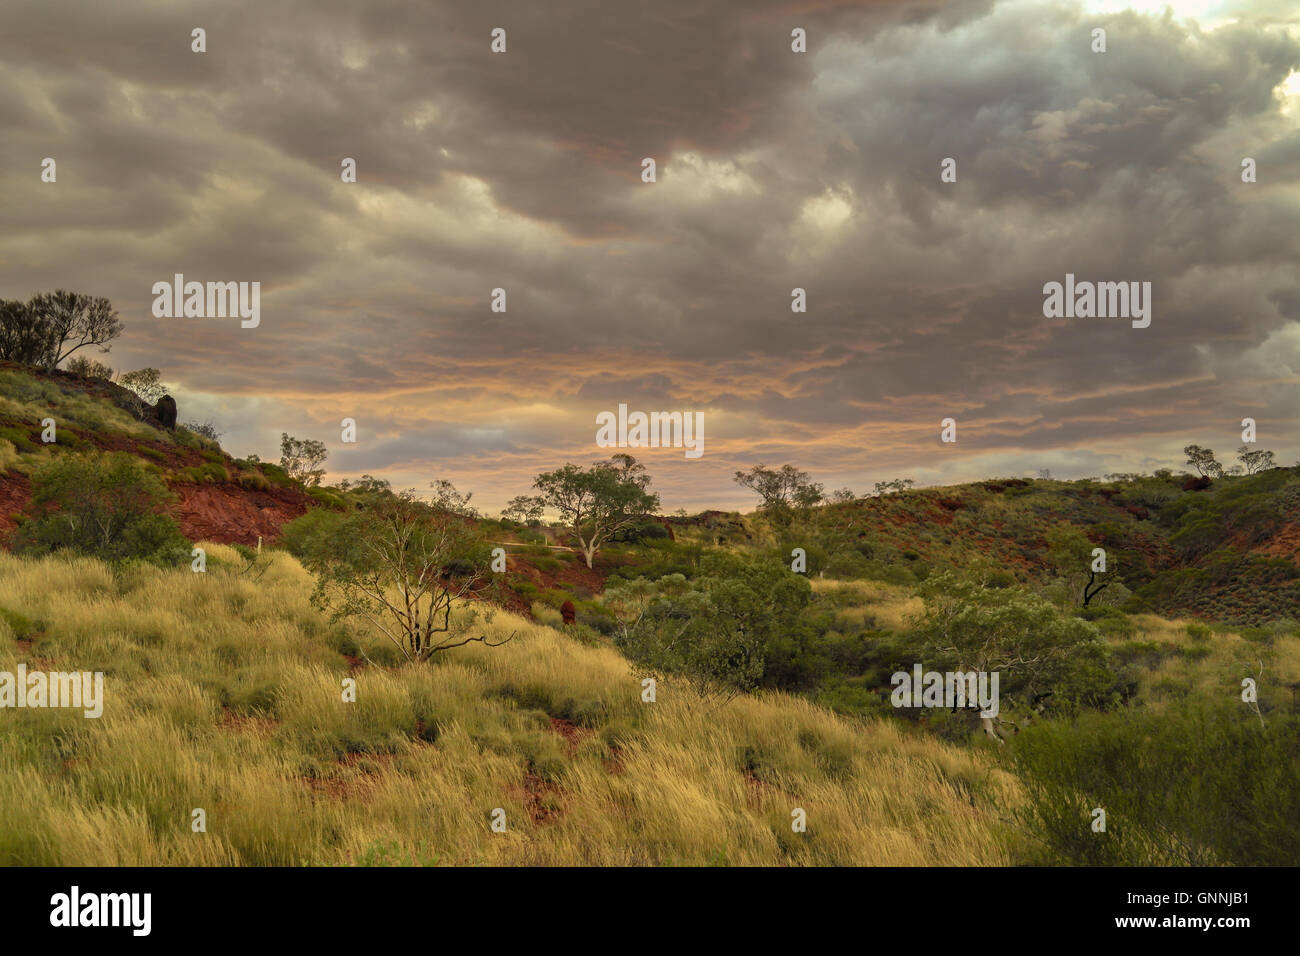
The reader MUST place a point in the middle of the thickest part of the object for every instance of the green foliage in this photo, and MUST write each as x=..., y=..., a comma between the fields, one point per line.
x=1195, y=785
x=301, y=459
x=310, y=533
x=276, y=475
x=108, y=506
x=639, y=532
x=20, y=438
x=657, y=558
x=326, y=497
x=20, y=626
x=252, y=480
x=597, y=502
x=715, y=630
x=402, y=567
x=206, y=474
x=967, y=626
x=786, y=492
x=146, y=383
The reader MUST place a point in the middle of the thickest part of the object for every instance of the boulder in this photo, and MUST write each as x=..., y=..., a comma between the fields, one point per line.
x=165, y=411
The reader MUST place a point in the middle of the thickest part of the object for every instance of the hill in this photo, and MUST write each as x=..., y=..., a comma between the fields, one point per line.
x=224, y=694
x=218, y=497
x=1227, y=553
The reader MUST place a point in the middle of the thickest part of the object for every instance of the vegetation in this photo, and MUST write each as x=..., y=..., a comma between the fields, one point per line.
x=51, y=326
x=108, y=506
x=234, y=705
x=595, y=503
x=401, y=567
x=1121, y=615
x=301, y=459
x=146, y=383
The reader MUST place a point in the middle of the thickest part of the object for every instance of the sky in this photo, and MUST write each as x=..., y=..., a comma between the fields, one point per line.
x=775, y=170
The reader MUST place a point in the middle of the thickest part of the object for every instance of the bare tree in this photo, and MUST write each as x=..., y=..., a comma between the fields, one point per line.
x=404, y=566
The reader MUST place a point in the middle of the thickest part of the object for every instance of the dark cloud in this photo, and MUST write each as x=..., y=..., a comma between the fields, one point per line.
x=775, y=171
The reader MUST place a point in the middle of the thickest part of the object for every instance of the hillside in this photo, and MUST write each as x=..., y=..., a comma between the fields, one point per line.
x=218, y=497
x=227, y=691
x=1228, y=553
x=224, y=694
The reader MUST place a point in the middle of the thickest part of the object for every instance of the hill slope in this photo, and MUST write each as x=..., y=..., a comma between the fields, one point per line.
x=223, y=692
x=218, y=497
x=1228, y=553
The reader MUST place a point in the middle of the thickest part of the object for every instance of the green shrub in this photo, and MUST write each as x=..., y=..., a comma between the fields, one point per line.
x=22, y=627
x=108, y=506
x=206, y=474
x=276, y=475
x=556, y=596
x=19, y=437
x=252, y=480
x=307, y=535
x=1197, y=784
x=328, y=498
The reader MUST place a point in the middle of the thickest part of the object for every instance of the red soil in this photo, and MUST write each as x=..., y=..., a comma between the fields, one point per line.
x=229, y=514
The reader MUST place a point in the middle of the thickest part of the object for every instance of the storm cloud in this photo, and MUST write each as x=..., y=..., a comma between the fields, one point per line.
x=776, y=170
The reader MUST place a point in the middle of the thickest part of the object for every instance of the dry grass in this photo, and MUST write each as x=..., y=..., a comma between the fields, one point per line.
x=1214, y=664
x=892, y=606
x=224, y=693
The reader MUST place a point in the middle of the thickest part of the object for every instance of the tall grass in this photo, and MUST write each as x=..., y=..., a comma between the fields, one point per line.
x=28, y=398
x=224, y=692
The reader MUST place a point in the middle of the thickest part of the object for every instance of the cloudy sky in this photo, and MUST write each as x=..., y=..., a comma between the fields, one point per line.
x=775, y=170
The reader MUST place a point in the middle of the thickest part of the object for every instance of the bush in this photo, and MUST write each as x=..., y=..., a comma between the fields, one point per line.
x=328, y=498
x=1199, y=785
x=205, y=429
x=89, y=368
x=276, y=475
x=308, y=534
x=640, y=531
x=207, y=474
x=108, y=506
x=252, y=480
x=20, y=438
